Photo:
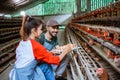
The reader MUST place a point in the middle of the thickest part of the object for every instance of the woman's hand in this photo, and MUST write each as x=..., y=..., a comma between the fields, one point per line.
x=69, y=47
x=56, y=51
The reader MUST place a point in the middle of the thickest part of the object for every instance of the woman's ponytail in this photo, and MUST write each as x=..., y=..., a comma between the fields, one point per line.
x=23, y=33
x=27, y=24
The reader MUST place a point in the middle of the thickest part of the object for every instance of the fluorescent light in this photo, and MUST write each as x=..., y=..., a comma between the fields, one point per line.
x=16, y=1
x=22, y=13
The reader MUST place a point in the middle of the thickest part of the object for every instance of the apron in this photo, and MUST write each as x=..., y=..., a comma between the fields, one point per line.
x=30, y=72
x=48, y=46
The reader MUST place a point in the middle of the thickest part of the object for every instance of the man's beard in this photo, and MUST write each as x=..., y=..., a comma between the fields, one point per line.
x=52, y=34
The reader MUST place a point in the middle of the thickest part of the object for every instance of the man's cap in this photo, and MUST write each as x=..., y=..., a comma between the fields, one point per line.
x=52, y=23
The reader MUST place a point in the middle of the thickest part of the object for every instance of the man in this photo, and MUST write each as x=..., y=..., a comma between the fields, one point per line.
x=49, y=41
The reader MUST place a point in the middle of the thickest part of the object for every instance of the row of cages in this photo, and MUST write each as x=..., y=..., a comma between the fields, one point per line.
x=87, y=48
x=8, y=23
x=10, y=20
x=100, y=32
x=109, y=39
x=9, y=29
x=82, y=66
x=111, y=10
x=9, y=39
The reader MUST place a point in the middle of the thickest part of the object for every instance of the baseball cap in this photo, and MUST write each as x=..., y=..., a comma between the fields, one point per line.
x=52, y=23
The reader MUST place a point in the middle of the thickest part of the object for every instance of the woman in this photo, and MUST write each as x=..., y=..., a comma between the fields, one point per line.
x=29, y=52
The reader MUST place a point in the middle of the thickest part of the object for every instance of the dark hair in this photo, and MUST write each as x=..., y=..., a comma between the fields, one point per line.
x=27, y=24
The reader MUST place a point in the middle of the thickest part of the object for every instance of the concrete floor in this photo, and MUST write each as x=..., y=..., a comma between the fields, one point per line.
x=4, y=75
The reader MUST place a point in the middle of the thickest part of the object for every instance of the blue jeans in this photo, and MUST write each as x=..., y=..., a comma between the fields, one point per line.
x=47, y=71
x=59, y=69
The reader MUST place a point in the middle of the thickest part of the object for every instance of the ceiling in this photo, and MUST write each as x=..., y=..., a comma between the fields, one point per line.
x=8, y=6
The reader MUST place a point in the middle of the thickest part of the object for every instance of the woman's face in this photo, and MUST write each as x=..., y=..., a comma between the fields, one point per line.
x=39, y=31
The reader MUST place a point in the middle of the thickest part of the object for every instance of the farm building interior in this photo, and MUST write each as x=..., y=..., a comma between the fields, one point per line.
x=92, y=25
